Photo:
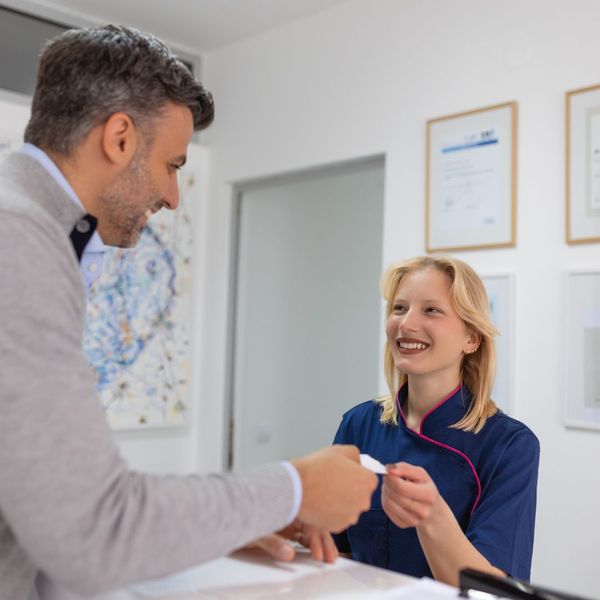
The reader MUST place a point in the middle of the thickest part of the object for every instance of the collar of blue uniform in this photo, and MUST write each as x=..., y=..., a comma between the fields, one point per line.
x=447, y=412
x=81, y=234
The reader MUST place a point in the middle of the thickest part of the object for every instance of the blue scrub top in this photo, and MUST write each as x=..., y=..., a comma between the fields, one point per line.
x=488, y=479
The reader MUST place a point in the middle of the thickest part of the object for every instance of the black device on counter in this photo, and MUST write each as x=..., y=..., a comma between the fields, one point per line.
x=507, y=587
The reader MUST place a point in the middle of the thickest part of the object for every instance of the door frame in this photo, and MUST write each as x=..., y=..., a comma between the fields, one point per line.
x=238, y=189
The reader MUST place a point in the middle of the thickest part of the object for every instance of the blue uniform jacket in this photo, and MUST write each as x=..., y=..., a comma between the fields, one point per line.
x=488, y=479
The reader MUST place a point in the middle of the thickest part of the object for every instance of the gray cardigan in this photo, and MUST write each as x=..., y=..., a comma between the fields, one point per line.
x=69, y=506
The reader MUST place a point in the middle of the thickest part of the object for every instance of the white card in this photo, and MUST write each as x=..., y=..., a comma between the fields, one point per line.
x=372, y=464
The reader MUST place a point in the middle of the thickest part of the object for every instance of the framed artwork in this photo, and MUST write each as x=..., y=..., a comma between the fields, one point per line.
x=138, y=334
x=582, y=350
x=583, y=165
x=500, y=290
x=471, y=179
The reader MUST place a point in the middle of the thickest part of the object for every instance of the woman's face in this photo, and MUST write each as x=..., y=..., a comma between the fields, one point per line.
x=425, y=335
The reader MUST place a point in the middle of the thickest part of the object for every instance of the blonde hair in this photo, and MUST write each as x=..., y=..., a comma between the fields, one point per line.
x=470, y=301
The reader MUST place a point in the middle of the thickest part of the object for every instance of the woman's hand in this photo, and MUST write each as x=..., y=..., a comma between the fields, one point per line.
x=278, y=546
x=409, y=496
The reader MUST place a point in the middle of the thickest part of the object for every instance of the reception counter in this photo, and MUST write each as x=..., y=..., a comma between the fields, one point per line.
x=250, y=575
x=246, y=575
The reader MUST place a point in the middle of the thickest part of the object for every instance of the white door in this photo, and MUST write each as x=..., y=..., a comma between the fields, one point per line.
x=306, y=331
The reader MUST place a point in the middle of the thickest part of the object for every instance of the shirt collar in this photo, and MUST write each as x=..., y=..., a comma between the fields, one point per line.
x=95, y=244
x=448, y=411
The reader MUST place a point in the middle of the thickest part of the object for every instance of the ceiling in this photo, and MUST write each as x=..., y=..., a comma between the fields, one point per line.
x=196, y=26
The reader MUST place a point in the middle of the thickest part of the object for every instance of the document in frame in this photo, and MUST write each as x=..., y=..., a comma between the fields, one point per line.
x=470, y=173
x=593, y=155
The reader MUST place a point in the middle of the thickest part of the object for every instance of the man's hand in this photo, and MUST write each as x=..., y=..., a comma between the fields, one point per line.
x=277, y=545
x=335, y=488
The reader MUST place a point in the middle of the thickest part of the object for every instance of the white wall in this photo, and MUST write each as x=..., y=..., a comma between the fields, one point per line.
x=362, y=79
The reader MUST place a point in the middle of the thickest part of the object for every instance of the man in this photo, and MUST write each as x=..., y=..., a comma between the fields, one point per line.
x=112, y=115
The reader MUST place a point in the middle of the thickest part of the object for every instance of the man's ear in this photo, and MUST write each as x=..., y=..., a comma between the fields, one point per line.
x=120, y=139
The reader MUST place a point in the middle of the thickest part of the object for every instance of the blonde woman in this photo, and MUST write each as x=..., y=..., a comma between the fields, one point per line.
x=460, y=488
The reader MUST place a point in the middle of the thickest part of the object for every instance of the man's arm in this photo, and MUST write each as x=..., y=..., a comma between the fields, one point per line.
x=321, y=503
x=79, y=513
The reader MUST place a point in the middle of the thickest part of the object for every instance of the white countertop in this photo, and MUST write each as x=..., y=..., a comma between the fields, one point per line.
x=251, y=575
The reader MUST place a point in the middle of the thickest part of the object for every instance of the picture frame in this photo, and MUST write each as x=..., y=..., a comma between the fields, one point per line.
x=583, y=165
x=582, y=350
x=138, y=335
x=471, y=179
x=500, y=288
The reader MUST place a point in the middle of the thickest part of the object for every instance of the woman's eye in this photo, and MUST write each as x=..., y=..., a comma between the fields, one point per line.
x=433, y=310
x=399, y=308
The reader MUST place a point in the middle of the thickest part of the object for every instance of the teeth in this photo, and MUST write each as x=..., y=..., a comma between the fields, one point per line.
x=148, y=214
x=412, y=346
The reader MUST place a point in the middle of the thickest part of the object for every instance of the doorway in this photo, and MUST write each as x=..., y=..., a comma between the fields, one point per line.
x=306, y=316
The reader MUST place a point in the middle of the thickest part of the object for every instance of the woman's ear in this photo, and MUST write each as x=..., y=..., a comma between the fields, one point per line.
x=473, y=342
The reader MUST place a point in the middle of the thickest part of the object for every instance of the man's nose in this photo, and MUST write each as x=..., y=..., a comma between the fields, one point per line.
x=171, y=199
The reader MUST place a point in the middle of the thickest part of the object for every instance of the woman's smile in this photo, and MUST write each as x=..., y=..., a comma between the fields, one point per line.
x=411, y=345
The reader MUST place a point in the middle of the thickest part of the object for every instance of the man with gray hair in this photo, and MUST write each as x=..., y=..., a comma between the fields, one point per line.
x=112, y=115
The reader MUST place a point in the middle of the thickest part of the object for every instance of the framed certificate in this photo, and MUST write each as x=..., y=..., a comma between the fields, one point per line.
x=471, y=179
x=582, y=350
x=583, y=165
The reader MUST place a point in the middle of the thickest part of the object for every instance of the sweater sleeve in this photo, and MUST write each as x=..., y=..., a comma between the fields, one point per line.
x=71, y=503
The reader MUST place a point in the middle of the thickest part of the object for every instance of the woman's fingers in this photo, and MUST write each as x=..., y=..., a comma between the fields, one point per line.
x=408, y=471
x=395, y=509
x=408, y=494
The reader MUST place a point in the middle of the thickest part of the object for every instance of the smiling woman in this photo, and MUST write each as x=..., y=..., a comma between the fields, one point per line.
x=455, y=308
x=465, y=492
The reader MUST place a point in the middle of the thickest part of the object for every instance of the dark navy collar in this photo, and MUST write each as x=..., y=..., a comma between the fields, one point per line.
x=82, y=233
x=448, y=411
